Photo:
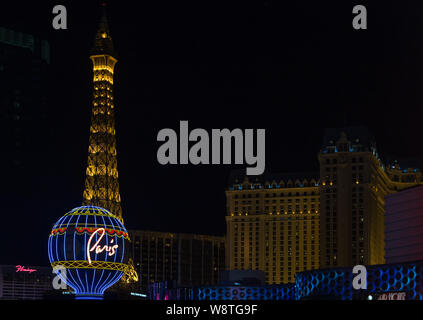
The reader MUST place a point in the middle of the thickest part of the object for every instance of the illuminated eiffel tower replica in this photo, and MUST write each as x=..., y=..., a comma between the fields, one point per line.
x=101, y=182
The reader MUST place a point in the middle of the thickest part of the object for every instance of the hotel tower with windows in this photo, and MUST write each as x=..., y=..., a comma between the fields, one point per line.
x=354, y=183
x=273, y=225
x=284, y=224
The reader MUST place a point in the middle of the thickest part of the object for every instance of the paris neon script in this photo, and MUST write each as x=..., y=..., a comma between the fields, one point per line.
x=97, y=248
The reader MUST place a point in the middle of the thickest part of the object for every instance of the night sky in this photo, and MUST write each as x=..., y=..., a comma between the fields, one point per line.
x=290, y=68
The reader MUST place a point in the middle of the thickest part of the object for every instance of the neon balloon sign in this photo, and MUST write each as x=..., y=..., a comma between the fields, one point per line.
x=91, y=267
x=97, y=248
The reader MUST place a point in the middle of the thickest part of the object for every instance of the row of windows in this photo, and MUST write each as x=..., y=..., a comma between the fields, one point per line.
x=271, y=263
x=355, y=179
x=290, y=200
x=306, y=256
x=297, y=240
x=281, y=269
x=335, y=161
x=279, y=231
x=277, y=221
x=282, y=244
x=275, y=195
x=304, y=231
x=268, y=220
x=407, y=178
x=353, y=168
x=304, y=207
x=280, y=224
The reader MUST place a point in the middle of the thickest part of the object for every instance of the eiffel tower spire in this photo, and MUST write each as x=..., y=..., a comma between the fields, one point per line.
x=103, y=43
x=101, y=182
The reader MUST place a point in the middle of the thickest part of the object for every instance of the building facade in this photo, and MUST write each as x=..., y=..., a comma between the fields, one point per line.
x=285, y=224
x=404, y=226
x=273, y=225
x=187, y=259
x=354, y=183
x=24, y=283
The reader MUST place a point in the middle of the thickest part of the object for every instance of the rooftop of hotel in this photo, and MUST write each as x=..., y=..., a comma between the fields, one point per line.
x=269, y=180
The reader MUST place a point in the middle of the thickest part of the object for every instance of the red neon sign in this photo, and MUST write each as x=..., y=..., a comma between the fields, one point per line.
x=20, y=268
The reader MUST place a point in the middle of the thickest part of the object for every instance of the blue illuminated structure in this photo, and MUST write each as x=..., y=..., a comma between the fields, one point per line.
x=337, y=283
x=323, y=284
x=89, y=243
x=272, y=292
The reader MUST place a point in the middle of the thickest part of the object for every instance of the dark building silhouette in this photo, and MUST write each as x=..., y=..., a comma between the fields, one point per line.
x=24, y=127
x=404, y=226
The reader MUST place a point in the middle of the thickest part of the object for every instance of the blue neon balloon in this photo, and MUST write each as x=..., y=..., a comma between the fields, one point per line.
x=89, y=242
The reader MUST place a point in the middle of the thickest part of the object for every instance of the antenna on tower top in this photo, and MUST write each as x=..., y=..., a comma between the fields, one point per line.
x=103, y=43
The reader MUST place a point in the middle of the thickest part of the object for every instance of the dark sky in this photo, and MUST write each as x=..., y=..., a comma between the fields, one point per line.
x=292, y=68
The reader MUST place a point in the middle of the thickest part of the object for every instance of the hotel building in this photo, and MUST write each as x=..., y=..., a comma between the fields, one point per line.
x=285, y=224
x=187, y=259
x=25, y=283
x=273, y=225
x=354, y=183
